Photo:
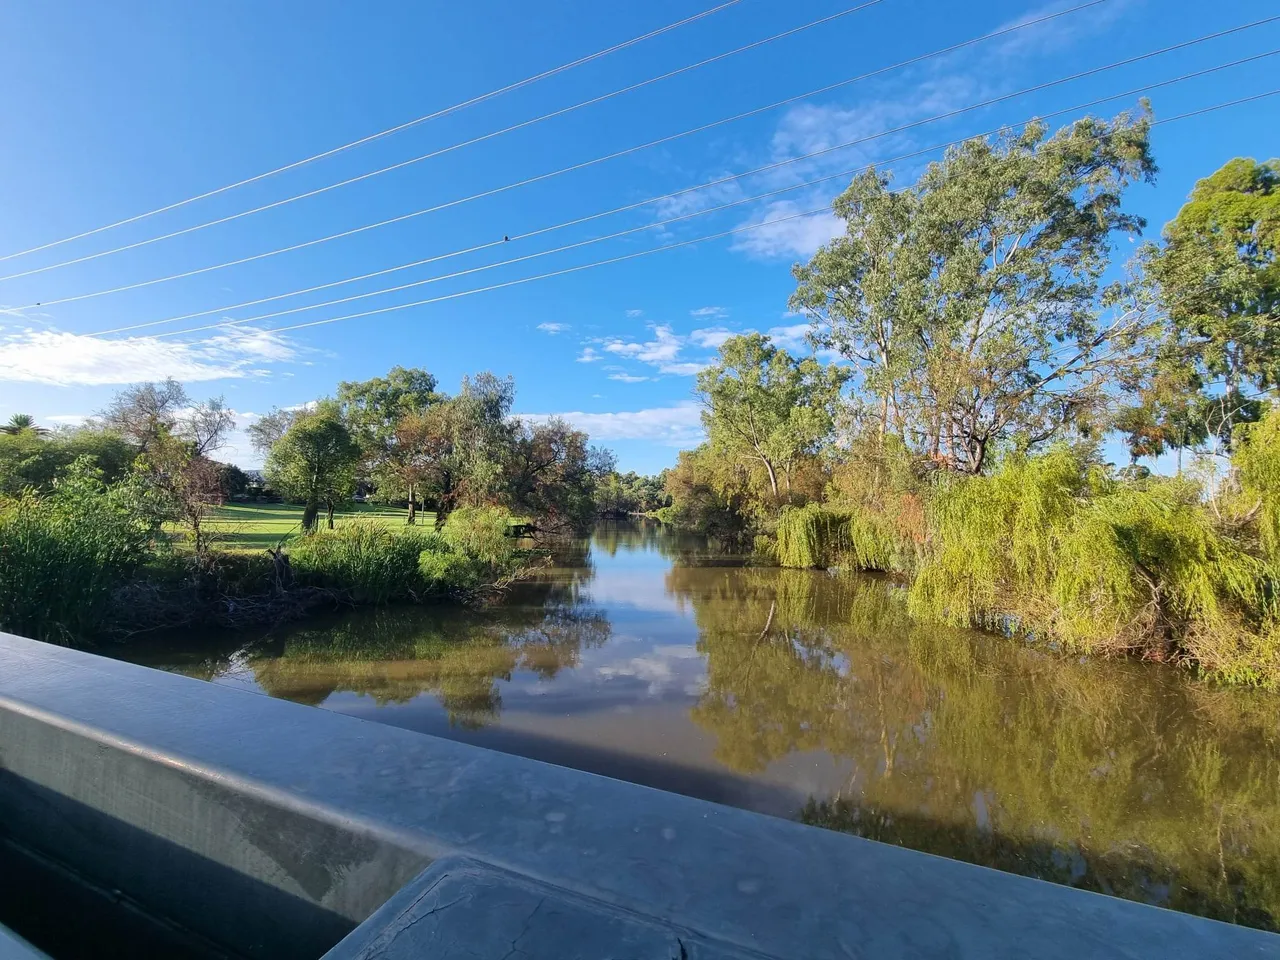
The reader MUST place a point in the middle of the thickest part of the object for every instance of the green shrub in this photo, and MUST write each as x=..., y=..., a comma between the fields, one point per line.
x=62, y=556
x=1257, y=460
x=480, y=534
x=444, y=571
x=364, y=559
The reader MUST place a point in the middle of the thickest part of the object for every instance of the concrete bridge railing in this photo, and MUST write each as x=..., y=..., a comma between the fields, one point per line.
x=254, y=827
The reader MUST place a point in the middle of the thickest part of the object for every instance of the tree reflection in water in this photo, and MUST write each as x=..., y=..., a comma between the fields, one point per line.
x=1122, y=778
x=396, y=654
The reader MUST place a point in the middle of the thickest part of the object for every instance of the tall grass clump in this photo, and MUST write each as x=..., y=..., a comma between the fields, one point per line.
x=365, y=560
x=63, y=556
x=1052, y=547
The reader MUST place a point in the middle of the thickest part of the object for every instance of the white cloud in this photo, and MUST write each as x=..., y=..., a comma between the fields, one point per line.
x=663, y=352
x=627, y=378
x=67, y=419
x=794, y=237
x=675, y=426
x=709, y=312
x=590, y=355
x=710, y=337
x=686, y=369
x=63, y=359
x=553, y=328
x=792, y=337
x=635, y=313
x=663, y=348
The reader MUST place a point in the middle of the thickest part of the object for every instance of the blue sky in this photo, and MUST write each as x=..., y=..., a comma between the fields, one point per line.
x=111, y=110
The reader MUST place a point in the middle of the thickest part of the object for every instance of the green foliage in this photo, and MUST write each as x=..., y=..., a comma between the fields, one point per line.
x=819, y=537
x=64, y=554
x=969, y=302
x=620, y=494
x=1052, y=547
x=765, y=407
x=481, y=534
x=1217, y=276
x=374, y=407
x=550, y=475
x=365, y=560
x=1257, y=460
x=315, y=461
x=22, y=423
x=34, y=459
x=713, y=495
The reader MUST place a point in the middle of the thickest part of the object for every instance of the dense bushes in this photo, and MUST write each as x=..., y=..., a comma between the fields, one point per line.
x=477, y=551
x=1056, y=547
x=370, y=563
x=63, y=555
x=88, y=560
x=1053, y=547
x=364, y=560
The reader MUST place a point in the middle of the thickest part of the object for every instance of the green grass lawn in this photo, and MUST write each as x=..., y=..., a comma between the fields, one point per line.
x=247, y=527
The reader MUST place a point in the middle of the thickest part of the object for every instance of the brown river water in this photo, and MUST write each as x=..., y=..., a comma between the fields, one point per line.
x=647, y=656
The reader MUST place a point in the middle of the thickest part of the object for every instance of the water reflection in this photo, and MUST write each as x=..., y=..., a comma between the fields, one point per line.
x=649, y=656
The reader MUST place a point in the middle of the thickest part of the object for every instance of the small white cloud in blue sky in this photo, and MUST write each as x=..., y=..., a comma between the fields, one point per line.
x=553, y=328
x=710, y=337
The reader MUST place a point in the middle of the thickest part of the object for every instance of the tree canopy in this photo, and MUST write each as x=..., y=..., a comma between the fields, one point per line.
x=315, y=461
x=763, y=405
x=970, y=304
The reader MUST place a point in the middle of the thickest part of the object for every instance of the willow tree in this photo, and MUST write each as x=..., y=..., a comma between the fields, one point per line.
x=971, y=304
x=764, y=406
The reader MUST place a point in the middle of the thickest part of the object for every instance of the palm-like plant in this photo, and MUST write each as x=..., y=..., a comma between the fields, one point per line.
x=21, y=423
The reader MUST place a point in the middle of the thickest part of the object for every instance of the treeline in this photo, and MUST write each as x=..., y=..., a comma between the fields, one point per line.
x=403, y=440
x=106, y=528
x=971, y=367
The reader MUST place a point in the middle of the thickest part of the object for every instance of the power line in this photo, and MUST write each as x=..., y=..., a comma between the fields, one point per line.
x=585, y=219
x=447, y=149
x=587, y=163
x=445, y=111
x=595, y=216
x=659, y=249
x=651, y=226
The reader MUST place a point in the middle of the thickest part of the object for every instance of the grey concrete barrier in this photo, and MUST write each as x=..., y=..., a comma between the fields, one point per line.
x=267, y=829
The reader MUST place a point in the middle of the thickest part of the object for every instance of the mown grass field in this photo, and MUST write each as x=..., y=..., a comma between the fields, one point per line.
x=248, y=527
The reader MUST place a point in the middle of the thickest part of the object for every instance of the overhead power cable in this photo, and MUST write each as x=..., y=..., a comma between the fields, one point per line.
x=595, y=216
x=643, y=253
x=441, y=151
x=587, y=163
x=444, y=111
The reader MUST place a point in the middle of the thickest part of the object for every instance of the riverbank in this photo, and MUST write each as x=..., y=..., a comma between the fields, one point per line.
x=87, y=563
x=1056, y=548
